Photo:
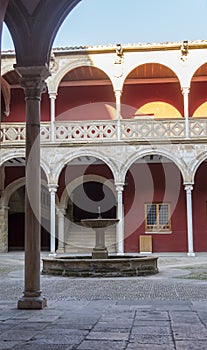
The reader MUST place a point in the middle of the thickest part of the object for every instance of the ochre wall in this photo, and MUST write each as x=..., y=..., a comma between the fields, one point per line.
x=138, y=95
x=89, y=102
x=197, y=96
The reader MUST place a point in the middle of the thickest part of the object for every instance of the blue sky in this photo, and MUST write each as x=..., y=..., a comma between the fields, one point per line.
x=99, y=22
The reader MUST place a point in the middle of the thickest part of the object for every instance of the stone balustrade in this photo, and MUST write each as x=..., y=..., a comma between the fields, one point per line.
x=107, y=130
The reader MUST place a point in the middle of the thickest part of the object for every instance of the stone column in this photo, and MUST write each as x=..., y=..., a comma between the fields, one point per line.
x=4, y=229
x=52, y=190
x=120, y=224
x=188, y=189
x=32, y=81
x=118, y=112
x=61, y=230
x=185, y=92
x=52, y=115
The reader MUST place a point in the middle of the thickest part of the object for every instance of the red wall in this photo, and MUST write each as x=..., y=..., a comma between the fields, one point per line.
x=17, y=107
x=200, y=209
x=138, y=95
x=84, y=103
x=13, y=173
x=155, y=183
x=89, y=102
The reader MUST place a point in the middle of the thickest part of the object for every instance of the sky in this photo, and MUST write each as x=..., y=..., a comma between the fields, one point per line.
x=102, y=22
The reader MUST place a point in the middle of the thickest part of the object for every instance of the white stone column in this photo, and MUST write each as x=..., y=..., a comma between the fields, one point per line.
x=61, y=230
x=4, y=229
x=185, y=92
x=120, y=224
x=52, y=189
x=188, y=189
x=118, y=112
x=52, y=115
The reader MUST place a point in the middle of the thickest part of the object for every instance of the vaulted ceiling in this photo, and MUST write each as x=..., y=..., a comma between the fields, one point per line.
x=33, y=25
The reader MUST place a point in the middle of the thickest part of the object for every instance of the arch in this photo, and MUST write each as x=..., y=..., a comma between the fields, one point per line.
x=12, y=187
x=20, y=153
x=17, y=153
x=160, y=63
x=194, y=165
x=7, y=66
x=83, y=153
x=197, y=69
x=135, y=156
x=160, y=109
x=82, y=179
x=53, y=82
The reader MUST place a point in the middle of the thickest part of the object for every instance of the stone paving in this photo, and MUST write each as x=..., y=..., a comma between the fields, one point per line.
x=164, y=311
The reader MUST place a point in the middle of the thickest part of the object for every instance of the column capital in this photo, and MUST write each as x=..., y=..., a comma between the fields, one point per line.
x=52, y=95
x=118, y=93
x=52, y=187
x=61, y=211
x=119, y=187
x=185, y=89
x=188, y=187
x=32, y=80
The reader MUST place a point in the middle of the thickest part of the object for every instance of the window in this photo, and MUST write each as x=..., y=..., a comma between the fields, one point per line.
x=157, y=217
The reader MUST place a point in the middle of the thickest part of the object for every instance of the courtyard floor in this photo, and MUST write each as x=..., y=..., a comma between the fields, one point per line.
x=161, y=312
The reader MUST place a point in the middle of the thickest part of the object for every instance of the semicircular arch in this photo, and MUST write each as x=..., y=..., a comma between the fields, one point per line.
x=83, y=179
x=53, y=82
x=136, y=156
x=194, y=165
x=84, y=153
x=20, y=153
x=14, y=186
x=162, y=63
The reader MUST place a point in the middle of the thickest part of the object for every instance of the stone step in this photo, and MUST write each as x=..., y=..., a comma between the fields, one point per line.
x=80, y=239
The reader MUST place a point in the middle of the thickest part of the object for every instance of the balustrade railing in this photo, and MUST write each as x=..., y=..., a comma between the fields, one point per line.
x=103, y=131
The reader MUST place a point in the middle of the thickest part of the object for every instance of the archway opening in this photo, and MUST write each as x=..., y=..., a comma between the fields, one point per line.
x=16, y=220
x=155, y=205
x=83, y=94
x=151, y=89
x=90, y=199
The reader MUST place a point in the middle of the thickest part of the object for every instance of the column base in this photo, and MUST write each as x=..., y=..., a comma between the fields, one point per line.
x=100, y=254
x=52, y=254
x=191, y=254
x=60, y=250
x=31, y=303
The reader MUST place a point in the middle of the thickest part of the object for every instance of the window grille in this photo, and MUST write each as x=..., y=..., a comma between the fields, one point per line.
x=157, y=217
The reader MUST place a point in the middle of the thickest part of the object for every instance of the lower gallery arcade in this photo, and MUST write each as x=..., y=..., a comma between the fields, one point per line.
x=150, y=197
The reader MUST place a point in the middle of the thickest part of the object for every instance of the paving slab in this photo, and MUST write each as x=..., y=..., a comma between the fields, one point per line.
x=159, y=312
